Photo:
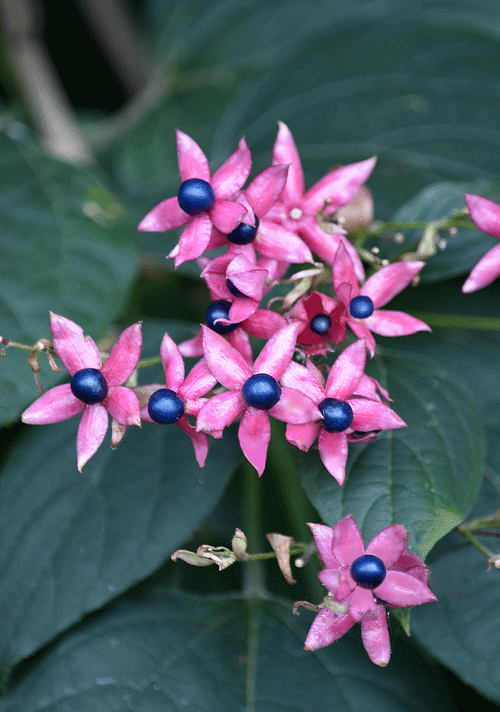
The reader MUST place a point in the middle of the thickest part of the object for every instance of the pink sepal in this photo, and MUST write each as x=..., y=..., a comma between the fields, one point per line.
x=394, y=323
x=264, y=323
x=226, y=364
x=277, y=353
x=302, y=436
x=173, y=363
x=52, y=407
x=233, y=172
x=299, y=377
x=360, y=328
x=347, y=543
x=338, y=187
x=246, y=277
x=74, y=350
x=360, y=602
x=294, y=407
x=285, y=152
x=220, y=411
x=331, y=579
x=117, y=433
x=278, y=243
x=375, y=636
x=191, y=159
x=123, y=406
x=167, y=215
x=192, y=347
x=91, y=432
x=372, y=415
x=198, y=381
x=343, y=271
x=402, y=590
x=326, y=628
x=124, y=356
x=226, y=215
x=389, y=544
x=199, y=440
x=382, y=286
x=193, y=240
x=486, y=270
x=485, y=213
x=323, y=538
x=254, y=434
x=320, y=242
x=266, y=188
x=239, y=340
x=333, y=452
x=346, y=371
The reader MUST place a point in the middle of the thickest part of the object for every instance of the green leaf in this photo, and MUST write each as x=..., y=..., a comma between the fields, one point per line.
x=164, y=652
x=425, y=476
x=465, y=249
x=71, y=542
x=65, y=247
x=462, y=628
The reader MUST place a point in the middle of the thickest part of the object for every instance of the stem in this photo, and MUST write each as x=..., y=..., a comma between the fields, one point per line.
x=459, y=321
x=146, y=362
x=467, y=534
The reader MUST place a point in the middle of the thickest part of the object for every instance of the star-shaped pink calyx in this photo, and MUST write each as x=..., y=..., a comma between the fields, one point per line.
x=486, y=215
x=181, y=397
x=203, y=201
x=95, y=388
x=364, y=581
x=362, y=305
x=253, y=393
x=297, y=210
x=345, y=414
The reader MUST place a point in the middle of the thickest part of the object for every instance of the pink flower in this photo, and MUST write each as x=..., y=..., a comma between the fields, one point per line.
x=94, y=388
x=253, y=392
x=181, y=397
x=362, y=312
x=205, y=199
x=321, y=321
x=297, y=210
x=362, y=580
x=486, y=214
x=344, y=412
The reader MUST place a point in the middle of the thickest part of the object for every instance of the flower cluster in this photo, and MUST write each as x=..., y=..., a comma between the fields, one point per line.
x=263, y=229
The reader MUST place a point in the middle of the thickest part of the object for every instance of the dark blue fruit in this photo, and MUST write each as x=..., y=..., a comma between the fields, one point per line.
x=320, y=324
x=195, y=196
x=368, y=571
x=361, y=307
x=89, y=386
x=261, y=391
x=234, y=290
x=219, y=310
x=337, y=415
x=165, y=407
x=244, y=234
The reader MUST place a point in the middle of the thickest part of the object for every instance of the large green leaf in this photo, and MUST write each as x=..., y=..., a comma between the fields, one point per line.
x=70, y=542
x=462, y=629
x=166, y=652
x=425, y=476
x=65, y=247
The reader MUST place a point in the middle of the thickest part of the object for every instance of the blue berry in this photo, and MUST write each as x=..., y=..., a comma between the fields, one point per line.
x=337, y=415
x=368, y=571
x=195, y=196
x=89, y=386
x=165, y=407
x=261, y=391
x=320, y=324
x=361, y=307
x=244, y=234
x=234, y=290
x=219, y=310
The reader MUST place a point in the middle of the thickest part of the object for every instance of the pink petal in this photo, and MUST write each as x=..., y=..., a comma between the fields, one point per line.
x=277, y=353
x=74, y=350
x=485, y=213
x=402, y=590
x=192, y=161
x=226, y=215
x=220, y=411
x=302, y=436
x=320, y=242
x=323, y=538
x=338, y=187
x=347, y=543
x=239, y=340
x=375, y=636
x=285, y=152
x=167, y=215
x=192, y=347
x=389, y=544
x=372, y=415
x=246, y=277
x=486, y=270
x=343, y=270
x=360, y=602
x=226, y=364
x=240, y=310
x=91, y=432
x=199, y=440
x=362, y=331
x=173, y=363
x=331, y=579
x=302, y=379
x=277, y=243
x=394, y=323
x=333, y=452
x=123, y=405
x=254, y=434
x=198, y=382
x=326, y=628
x=382, y=286
x=346, y=372
x=194, y=239
x=233, y=173
x=122, y=361
x=294, y=407
x=266, y=188
x=264, y=323
x=52, y=407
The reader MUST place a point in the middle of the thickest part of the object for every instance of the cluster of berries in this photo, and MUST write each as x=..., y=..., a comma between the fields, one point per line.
x=264, y=229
